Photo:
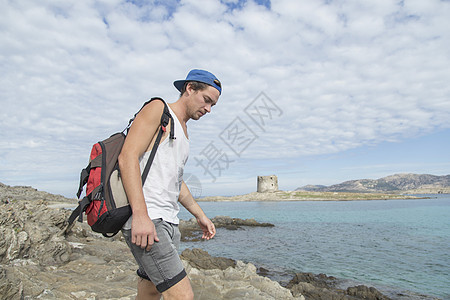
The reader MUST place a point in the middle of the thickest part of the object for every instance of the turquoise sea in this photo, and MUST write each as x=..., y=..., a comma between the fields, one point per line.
x=397, y=246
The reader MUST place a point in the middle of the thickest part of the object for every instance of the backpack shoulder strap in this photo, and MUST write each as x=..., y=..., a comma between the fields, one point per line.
x=166, y=112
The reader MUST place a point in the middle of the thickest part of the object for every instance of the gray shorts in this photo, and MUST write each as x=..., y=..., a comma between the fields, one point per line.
x=162, y=264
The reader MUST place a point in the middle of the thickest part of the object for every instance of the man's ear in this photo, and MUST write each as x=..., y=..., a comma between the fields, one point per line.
x=189, y=89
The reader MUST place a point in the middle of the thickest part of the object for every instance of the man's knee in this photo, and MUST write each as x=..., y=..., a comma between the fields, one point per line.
x=189, y=292
x=147, y=290
x=180, y=291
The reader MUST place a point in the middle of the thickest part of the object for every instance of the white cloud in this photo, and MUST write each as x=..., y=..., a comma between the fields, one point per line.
x=344, y=73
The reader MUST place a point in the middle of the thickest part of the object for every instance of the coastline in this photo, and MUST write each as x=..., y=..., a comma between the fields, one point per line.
x=65, y=260
x=36, y=241
x=307, y=196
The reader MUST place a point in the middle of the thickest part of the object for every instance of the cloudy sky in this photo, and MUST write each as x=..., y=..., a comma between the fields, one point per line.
x=315, y=92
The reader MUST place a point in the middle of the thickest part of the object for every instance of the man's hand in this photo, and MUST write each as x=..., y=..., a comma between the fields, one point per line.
x=186, y=199
x=208, y=228
x=143, y=232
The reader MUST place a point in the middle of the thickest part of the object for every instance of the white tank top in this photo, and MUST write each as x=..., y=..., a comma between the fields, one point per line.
x=163, y=184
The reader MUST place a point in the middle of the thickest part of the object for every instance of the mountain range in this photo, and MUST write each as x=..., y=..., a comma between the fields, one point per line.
x=398, y=183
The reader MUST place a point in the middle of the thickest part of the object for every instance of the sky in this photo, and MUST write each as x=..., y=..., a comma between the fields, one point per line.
x=315, y=92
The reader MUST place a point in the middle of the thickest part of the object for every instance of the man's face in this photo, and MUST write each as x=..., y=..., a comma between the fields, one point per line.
x=202, y=101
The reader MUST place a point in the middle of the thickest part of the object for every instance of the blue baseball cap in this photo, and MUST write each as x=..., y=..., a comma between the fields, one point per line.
x=200, y=76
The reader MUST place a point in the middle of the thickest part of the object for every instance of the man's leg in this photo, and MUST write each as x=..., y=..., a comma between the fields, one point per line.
x=147, y=290
x=162, y=264
x=180, y=291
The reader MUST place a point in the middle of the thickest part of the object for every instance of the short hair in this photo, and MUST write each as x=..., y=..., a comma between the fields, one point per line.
x=195, y=85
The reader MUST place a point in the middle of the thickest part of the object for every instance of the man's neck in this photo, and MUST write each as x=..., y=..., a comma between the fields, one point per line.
x=180, y=111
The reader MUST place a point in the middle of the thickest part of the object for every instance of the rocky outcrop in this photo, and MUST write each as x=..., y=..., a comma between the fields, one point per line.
x=240, y=281
x=201, y=259
x=38, y=261
x=28, y=231
x=320, y=287
x=10, y=193
x=190, y=231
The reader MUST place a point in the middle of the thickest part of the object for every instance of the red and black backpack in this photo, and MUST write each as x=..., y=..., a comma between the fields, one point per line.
x=106, y=204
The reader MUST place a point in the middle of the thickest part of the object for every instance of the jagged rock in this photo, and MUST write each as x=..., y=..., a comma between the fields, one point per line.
x=323, y=287
x=364, y=292
x=201, y=259
x=29, y=231
x=8, y=288
x=39, y=262
x=239, y=282
x=225, y=221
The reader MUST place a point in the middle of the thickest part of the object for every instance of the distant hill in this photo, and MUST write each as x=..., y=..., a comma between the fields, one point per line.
x=398, y=183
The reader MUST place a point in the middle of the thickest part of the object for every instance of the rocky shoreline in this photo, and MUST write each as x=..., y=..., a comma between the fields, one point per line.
x=41, y=259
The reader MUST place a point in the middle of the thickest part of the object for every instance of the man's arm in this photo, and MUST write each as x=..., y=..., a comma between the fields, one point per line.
x=186, y=199
x=140, y=138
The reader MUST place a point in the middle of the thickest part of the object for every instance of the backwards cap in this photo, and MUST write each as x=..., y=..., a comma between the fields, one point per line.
x=200, y=76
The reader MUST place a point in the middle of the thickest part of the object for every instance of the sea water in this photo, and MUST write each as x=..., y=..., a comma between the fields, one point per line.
x=397, y=246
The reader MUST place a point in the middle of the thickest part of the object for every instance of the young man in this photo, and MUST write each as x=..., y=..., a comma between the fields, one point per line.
x=151, y=232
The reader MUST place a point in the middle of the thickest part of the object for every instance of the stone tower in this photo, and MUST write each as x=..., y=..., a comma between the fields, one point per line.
x=267, y=184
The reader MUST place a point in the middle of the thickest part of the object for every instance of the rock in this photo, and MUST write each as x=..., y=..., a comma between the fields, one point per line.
x=364, y=292
x=263, y=271
x=323, y=287
x=29, y=231
x=238, y=282
x=200, y=259
x=8, y=288
x=190, y=231
x=9, y=193
x=320, y=280
x=37, y=261
x=225, y=221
